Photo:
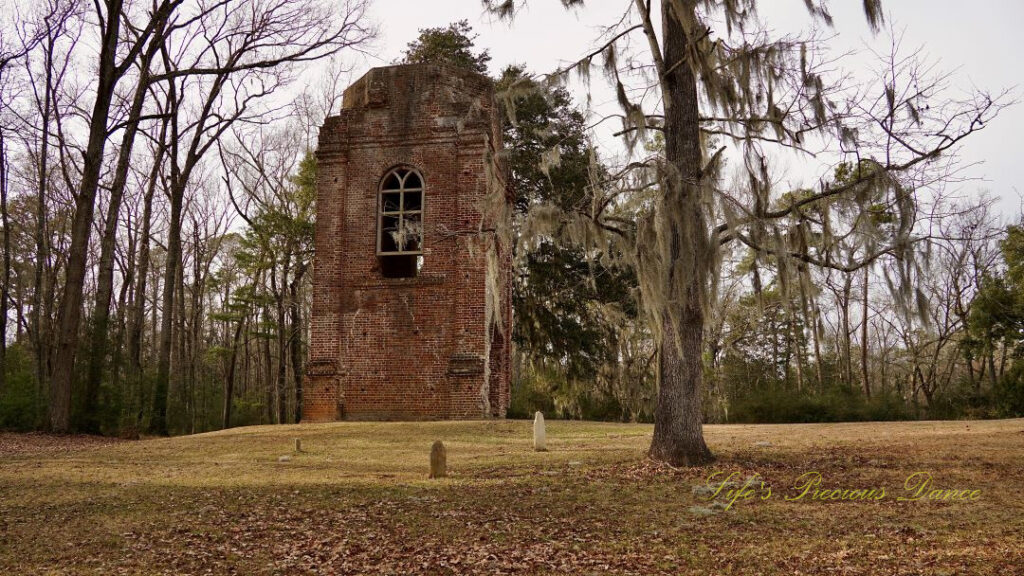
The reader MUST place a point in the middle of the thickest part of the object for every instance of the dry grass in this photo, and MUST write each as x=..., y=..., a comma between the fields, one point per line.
x=357, y=501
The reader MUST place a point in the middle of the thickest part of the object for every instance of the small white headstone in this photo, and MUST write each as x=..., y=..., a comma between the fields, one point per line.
x=284, y=458
x=539, y=436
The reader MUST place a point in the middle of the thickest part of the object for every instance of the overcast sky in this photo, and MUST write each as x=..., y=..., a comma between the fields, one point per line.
x=981, y=41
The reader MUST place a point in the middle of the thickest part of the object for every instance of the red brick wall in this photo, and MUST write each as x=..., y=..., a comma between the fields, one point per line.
x=407, y=348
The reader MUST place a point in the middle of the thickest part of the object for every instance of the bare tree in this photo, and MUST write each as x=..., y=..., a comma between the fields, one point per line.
x=43, y=31
x=105, y=281
x=221, y=77
x=111, y=14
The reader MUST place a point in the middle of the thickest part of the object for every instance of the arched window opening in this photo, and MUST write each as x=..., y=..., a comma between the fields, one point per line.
x=400, y=223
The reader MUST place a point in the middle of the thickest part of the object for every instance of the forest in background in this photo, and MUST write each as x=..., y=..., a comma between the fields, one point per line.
x=157, y=220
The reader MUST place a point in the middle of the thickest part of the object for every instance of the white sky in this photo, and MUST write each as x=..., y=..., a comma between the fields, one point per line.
x=981, y=41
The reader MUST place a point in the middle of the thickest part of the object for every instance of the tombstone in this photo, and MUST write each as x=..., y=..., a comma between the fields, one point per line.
x=539, y=436
x=298, y=444
x=438, y=460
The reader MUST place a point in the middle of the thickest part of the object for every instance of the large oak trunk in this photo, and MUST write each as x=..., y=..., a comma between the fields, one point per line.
x=678, y=434
x=105, y=279
x=70, y=314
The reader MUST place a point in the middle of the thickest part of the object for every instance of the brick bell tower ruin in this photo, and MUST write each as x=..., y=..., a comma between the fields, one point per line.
x=411, y=311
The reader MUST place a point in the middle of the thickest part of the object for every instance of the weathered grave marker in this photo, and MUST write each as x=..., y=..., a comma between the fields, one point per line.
x=438, y=460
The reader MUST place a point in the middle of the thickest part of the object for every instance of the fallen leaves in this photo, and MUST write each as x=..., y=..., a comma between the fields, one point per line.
x=567, y=512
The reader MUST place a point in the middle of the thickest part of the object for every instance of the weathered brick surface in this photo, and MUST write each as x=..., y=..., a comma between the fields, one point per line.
x=408, y=348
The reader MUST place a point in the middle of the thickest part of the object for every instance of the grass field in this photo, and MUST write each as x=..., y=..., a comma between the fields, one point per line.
x=357, y=500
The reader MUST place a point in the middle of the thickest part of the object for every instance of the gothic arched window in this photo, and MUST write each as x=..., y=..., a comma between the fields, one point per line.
x=400, y=222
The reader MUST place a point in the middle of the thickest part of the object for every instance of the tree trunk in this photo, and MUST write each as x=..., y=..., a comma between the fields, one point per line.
x=180, y=381
x=137, y=319
x=154, y=336
x=268, y=374
x=6, y=288
x=70, y=314
x=200, y=272
x=280, y=397
x=40, y=322
x=883, y=362
x=229, y=382
x=864, y=338
x=928, y=384
x=1002, y=358
x=296, y=337
x=797, y=351
x=816, y=333
x=992, y=375
x=847, y=346
x=182, y=375
x=971, y=377
x=158, y=424
x=105, y=280
x=117, y=354
x=678, y=433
